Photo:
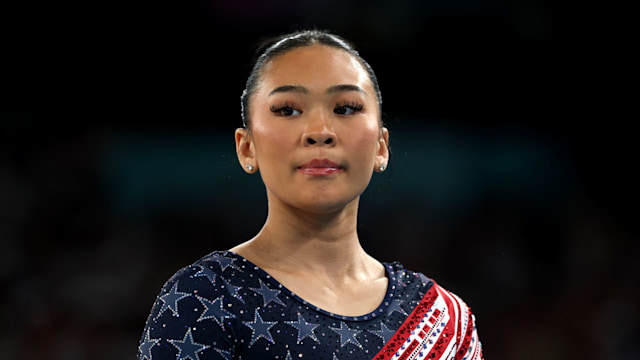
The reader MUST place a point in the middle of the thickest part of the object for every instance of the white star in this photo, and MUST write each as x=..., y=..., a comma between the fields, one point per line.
x=225, y=354
x=146, y=345
x=268, y=294
x=206, y=272
x=214, y=310
x=395, y=306
x=347, y=333
x=170, y=300
x=384, y=333
x=261, y=328
x=187, y=349
x=225, y=262
x=233, y=290
x=304, y=329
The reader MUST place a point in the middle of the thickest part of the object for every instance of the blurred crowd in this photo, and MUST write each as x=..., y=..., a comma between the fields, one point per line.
x=117, y=168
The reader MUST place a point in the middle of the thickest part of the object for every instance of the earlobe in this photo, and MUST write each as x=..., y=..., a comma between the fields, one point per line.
x=382, y=156
x=245, y=150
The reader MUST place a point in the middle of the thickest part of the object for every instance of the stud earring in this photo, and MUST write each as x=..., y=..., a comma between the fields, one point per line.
x=382, y=167
x=249, y=167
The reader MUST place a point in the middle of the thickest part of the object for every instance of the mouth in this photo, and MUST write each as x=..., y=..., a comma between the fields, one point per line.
x=317, y=167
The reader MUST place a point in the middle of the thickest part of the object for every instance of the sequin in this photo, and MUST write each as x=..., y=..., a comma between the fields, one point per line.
x=225, y=307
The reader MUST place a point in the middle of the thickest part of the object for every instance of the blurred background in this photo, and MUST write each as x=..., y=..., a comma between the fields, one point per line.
x=512, y=181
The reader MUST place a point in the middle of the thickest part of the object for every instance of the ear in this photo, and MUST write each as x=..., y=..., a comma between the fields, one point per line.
x=245, y=150
x=382, y=155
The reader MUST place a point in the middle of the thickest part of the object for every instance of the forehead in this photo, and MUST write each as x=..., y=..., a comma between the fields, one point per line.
x=315, y=66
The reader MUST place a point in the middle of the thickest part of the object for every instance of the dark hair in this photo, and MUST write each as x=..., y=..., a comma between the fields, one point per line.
x=285, y=43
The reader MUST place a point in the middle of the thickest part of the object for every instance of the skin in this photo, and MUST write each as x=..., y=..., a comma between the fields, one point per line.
x=315, y=102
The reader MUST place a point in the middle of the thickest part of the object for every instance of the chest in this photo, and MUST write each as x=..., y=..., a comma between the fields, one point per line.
x=350, y=298
x=273, y=324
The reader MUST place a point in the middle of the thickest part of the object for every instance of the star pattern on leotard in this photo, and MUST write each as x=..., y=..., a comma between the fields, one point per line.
x=225, y=354
x=170, y=300
x=233, y=290
x=248, y=306
x=225, y=262
x=347, y=335
x=147, y=344
x=214, y=310
x=260, y=328
x=187, y=348
x=206, y=272
x=268, y=294
x=304, y=328
x=384, y=333
x=395, y=306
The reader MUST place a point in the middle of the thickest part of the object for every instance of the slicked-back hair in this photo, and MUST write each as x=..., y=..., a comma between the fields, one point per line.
x=288, y=42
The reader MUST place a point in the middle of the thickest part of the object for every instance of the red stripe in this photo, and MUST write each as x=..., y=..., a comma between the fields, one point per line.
x=436, y=312
x=458, y=305
x=401, y=335
x=447, y=334
x=466, y=342
x=414, y=344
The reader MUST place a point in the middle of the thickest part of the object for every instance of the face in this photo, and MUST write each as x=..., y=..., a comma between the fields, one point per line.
x=315, y=133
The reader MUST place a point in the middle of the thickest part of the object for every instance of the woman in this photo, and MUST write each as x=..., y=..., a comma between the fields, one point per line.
x=304, y=287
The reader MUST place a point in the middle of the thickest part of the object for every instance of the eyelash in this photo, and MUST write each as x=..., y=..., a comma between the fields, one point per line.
x=355, y=106
x=352, y=105
x=278, y=109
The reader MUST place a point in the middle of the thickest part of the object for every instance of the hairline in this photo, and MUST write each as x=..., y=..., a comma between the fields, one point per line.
x=313, y=42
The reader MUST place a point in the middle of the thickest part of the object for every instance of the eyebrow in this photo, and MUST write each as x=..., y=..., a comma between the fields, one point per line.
x=345, y=87
x=303, y=90
x=289, y=88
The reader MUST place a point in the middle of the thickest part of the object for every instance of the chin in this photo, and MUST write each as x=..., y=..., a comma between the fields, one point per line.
x=326, y=205
x=320, y=209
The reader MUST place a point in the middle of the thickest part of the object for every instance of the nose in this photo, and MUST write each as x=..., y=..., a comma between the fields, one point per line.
x=319, y=132
x=320, y=139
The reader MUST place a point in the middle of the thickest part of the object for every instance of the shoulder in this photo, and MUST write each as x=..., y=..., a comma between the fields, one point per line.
x=407, y=278
x=402, y=277
x=434, y=296
x=462, y=323
x=188, y=313
x=442, y=317
x=209, y=277
x=198, y=284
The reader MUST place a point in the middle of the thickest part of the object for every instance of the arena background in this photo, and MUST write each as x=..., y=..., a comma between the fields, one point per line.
x=512, y=180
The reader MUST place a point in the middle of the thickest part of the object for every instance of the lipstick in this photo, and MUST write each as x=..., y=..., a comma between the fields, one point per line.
x=317, y=167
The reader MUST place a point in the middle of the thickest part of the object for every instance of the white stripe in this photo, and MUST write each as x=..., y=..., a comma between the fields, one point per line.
x=429, y=328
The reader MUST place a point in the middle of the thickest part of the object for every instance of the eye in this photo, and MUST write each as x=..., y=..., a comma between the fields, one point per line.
x=347, y=108
x=285, y=110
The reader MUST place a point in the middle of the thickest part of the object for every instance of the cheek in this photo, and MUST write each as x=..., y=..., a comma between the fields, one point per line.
x=366, y=138
x=271, y=141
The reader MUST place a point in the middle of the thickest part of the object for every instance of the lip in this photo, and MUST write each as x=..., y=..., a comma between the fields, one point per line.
x=319, y=167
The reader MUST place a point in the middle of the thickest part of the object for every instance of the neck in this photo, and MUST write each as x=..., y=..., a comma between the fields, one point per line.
x=309, y=242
